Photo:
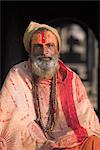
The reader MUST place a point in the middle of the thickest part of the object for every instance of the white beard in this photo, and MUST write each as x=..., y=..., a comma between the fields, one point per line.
x=42, y=68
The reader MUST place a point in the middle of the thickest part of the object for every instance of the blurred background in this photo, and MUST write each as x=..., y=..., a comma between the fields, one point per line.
x=78, y=24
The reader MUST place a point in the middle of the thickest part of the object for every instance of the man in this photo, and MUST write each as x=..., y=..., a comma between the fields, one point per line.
x=43, y=104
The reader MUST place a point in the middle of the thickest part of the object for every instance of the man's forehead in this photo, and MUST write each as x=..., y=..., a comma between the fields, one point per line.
x=44, y=35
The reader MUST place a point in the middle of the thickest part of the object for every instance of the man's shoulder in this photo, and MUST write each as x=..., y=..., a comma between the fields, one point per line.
x=21, y=68
x=65, y=67
x=20, y=65
x=65, y=71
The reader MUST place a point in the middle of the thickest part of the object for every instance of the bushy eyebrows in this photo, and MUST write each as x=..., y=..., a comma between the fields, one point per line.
x=39, y=44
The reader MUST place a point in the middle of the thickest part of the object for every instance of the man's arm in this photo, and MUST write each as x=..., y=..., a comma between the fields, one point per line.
x=86, y=114
x=7, y=107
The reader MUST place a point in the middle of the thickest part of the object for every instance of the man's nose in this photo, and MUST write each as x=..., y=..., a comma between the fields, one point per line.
x=45, y=50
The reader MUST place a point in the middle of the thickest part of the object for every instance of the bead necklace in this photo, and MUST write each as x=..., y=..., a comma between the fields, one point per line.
x=52, y=106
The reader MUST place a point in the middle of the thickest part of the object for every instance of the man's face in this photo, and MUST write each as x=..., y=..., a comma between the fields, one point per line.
x=44, y=52
x=44, y=43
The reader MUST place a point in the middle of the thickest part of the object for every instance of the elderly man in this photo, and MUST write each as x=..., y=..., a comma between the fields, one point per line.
x=43, y=104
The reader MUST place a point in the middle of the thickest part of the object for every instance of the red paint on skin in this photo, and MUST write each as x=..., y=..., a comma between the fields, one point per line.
x=43, y=38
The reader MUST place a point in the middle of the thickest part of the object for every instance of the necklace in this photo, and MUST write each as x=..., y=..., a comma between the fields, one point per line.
x=52, y=106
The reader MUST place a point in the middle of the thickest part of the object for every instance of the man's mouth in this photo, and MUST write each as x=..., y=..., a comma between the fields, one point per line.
x=45, y=58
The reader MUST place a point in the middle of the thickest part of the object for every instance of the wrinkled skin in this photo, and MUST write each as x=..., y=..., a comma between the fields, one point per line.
x=44, y=53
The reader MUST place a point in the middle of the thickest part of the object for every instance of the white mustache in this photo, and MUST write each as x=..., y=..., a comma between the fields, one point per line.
x=43, y=58
x=44, y=66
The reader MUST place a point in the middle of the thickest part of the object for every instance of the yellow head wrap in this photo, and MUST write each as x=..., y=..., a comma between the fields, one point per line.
x=33, y=26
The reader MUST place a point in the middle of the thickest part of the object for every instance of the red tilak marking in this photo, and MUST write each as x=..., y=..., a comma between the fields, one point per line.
x=43, y=38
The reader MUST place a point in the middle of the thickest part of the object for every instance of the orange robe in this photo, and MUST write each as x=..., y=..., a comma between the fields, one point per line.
x=75, y=118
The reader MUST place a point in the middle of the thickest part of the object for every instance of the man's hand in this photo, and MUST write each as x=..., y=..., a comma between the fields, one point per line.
x=59, y=148
x=36, y=132
x=51, y=145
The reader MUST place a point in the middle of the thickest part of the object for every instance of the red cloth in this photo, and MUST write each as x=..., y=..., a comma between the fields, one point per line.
x=75, y=120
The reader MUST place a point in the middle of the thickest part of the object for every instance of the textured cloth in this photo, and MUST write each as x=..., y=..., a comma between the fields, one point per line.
x=75, y=117
x=90, y=143
x=32, y=27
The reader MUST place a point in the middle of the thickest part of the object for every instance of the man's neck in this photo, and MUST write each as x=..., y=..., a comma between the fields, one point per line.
x=38, y=78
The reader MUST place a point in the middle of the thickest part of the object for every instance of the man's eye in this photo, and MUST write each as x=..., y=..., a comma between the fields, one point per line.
x=37, y=47
x=50, y=46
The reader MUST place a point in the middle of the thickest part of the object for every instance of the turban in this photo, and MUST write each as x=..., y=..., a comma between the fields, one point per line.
x=33, y=26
